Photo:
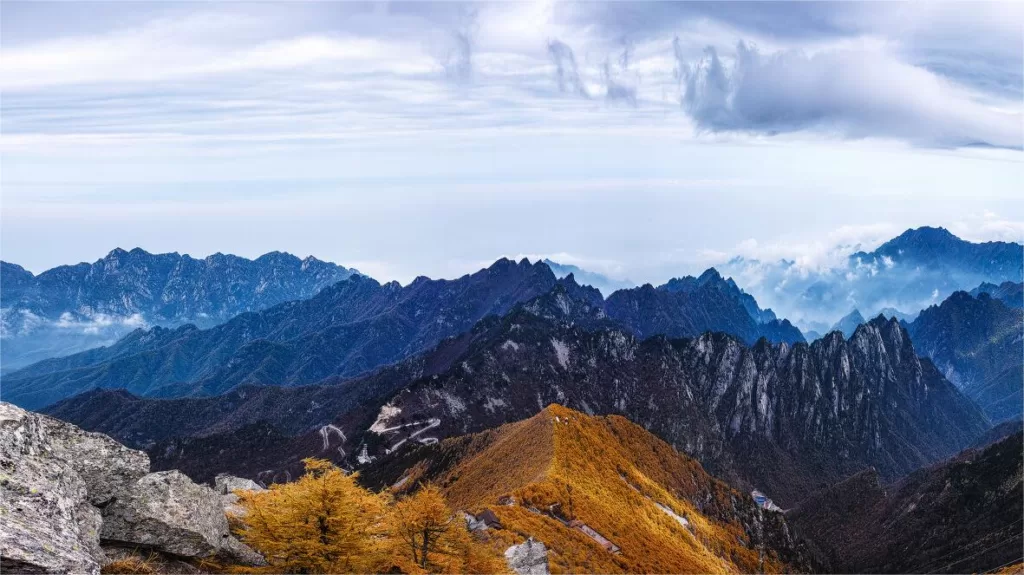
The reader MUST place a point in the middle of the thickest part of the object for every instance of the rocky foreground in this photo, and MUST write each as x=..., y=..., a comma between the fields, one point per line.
x=73, y=501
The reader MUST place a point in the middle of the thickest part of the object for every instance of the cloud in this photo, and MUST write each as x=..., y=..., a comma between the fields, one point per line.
x=567, y=73
x=988, y=227
x=853, y=94
x=458, y=65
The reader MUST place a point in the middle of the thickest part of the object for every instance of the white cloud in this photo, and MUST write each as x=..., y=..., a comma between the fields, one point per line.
x=849, y=93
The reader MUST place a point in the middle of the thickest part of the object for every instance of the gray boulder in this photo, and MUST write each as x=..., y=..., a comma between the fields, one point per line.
x=168, y=512
x=226, y=484
x=48, y=471
x=528, y=558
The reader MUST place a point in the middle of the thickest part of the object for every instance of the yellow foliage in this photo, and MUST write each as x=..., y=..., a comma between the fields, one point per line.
x=322, y=523
x=429, y=538
x=132, y=565
x=327, y=523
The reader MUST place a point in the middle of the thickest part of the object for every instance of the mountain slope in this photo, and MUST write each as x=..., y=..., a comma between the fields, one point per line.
x=785, y=419
x=961, y=516
x=978, y=343
x=70, y=308
x=660, y=510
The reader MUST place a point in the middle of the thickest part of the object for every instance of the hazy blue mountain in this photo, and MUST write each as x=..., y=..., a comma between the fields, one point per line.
x=602, y=282
x=350, y=327
x=891, y=312
x=1010, y=293
x=71, y=308
x=978, y=343
x=849, y=322
x=919, y=268
x=358, y=325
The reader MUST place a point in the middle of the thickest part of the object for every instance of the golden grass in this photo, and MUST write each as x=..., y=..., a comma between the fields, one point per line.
x=608, y=473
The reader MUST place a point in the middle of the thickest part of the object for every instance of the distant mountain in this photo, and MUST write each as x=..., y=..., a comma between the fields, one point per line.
x=978, y=343
x=689, y=306
x=641, y=507
x=349, y=328
x=938, y=249
x=1010, y=293
x=359, y=325
x=920, y=267
x=961, y=516
x=711, y=278
x=71, y=308
x=605, y=284
x=891, y=312
x=786, y=419
x=848, y=324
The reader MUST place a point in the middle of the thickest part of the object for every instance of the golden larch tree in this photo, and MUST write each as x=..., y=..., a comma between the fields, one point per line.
x=322, y=523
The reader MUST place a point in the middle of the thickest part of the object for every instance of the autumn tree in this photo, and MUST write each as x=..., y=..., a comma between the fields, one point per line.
x=429, y=537
x=322, y=523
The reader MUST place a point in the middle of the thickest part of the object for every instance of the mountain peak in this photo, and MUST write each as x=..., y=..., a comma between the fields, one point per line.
x=710, y=274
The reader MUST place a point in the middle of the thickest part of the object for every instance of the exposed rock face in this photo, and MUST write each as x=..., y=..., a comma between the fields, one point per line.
x=528, y=558
x=56, y=478
x=53, y=475
x=48, y=526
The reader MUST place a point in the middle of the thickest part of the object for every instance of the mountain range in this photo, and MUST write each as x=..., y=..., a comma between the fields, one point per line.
x=358, y=325
x=785, y=418
x=671, y=428
x=72, y=308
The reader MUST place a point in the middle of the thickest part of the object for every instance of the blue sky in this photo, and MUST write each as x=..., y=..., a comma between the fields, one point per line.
x=643, y=140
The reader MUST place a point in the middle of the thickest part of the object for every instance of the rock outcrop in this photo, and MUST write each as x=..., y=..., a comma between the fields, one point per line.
x=528, y=558
x=167, y=511
x=63, y=491
x=226, y=485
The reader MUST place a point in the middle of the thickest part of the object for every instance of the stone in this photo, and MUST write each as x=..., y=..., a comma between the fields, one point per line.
x=528, y=558
x=168, y=512
x=49, y=526
x=226, y=484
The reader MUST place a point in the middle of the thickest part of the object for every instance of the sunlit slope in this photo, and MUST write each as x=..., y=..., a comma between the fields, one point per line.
x=568, y=474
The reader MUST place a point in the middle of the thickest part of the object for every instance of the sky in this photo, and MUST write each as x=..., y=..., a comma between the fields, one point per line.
x=640, y=140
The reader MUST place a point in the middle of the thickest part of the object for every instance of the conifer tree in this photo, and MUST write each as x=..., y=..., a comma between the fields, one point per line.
x=322, y=523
